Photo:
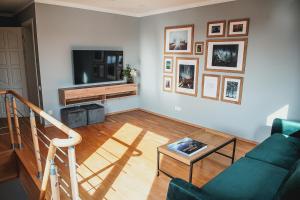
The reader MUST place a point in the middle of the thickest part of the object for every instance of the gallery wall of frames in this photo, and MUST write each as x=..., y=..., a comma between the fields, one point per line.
x=224, y=51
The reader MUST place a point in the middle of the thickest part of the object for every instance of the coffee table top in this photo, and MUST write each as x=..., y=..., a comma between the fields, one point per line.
x=213, y=139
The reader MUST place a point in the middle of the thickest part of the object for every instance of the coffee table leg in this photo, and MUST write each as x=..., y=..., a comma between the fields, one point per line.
x=191, y=173
x=158, y=162
x=233, y=151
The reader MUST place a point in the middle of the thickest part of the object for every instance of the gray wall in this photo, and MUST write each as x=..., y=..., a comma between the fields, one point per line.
x=272, y=71
x=61, y=29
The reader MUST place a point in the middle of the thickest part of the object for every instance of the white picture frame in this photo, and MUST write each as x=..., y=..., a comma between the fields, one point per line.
x=179, y=39
x=238, y=27
x=167, y=83
x=216, y=29
x=211, y=86
x=232, y=89
x=186, y=78
x=199, y=48
x=168, y=64
x=227, y=55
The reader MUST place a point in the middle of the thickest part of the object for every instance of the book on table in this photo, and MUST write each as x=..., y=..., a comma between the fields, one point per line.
x=187, y=146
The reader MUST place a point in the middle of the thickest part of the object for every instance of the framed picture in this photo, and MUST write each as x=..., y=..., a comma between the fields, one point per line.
x=232, y=89
x=211, y=86
x=228, y=55
x=187, y=76
x=238, y=27
x=216, y=29
x=179, y=39
x=199, y=48
x=167, y=83
x=168, y=64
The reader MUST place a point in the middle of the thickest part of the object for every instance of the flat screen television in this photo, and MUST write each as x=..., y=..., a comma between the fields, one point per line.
x=96, y=66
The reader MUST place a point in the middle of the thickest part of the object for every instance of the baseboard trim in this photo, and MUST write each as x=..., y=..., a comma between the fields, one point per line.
x=196, y=125
x=122, y=111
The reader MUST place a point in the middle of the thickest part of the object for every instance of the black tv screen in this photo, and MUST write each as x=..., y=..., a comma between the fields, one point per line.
x=96, y=66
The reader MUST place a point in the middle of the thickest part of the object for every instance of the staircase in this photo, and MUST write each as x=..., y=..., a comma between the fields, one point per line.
x=13, y=190
x=34, y=164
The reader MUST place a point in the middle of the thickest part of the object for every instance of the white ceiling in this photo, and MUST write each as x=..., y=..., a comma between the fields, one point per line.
x=136, y=8
x=10, y=7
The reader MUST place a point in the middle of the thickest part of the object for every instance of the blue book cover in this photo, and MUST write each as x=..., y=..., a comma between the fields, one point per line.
x=187, y=146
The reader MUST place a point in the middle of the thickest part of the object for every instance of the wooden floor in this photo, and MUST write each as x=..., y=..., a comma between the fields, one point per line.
x=117, y=159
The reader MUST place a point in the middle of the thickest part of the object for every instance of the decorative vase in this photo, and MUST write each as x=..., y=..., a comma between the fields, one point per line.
x=129, y=79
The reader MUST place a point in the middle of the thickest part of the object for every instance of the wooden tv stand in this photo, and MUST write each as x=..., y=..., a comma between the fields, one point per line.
x=75, y=95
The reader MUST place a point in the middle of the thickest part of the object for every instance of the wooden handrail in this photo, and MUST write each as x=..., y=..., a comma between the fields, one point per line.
x=2, y=92
x=74, y=137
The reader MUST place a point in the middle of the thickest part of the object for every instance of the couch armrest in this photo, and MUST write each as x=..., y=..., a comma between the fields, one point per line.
x=285, y=127
x=182, y=190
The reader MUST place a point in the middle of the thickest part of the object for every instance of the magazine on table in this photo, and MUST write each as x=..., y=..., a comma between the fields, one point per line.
x=187, y=146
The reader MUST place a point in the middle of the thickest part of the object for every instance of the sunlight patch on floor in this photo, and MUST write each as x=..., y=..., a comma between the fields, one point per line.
x=98, y=165
x=128, y=133
x=141, y=170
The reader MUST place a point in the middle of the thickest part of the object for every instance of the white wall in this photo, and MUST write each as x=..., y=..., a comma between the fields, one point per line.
x=271, y=80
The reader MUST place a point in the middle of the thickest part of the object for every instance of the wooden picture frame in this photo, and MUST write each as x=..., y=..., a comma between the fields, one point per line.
x=212, y=84
x=216, y=29
x=237, y=48
x=238, y=27
x=233, y=95
x=182, y=39
x=171, y=65
x=189, y=66
x=196, y=49
x=170, y=79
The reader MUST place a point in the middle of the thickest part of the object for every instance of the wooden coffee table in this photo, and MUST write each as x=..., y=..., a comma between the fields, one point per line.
x=214, y=140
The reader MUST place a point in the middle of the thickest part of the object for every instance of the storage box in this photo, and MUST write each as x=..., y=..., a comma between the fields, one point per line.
x=95, y=113
x=74, y=117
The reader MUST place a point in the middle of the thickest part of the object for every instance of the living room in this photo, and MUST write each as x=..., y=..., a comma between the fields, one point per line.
x=238, y=100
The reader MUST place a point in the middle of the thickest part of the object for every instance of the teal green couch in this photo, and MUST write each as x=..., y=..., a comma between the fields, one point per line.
x=270, y=171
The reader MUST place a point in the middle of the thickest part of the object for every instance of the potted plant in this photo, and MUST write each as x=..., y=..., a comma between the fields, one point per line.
x=129, y=73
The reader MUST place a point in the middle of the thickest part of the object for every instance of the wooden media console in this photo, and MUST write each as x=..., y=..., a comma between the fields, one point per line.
x=75, y=95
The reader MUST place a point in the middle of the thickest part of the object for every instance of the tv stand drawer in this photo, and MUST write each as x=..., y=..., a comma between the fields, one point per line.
x=84, y=92
x=75, y=95
x=120, y=89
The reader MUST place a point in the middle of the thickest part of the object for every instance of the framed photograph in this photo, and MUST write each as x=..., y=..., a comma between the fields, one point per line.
x=238, y=27
x=167, y=83
x=216, y=29
x=179, y=39
x=199, y=48
x=232, y=89
x=187, y=76
x=211, y=86
x=168, y=64
x=228, y=55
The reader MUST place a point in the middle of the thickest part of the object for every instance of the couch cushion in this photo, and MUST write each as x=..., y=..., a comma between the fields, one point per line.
x=246, y=179
x=279, y=150
x=290, y=187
